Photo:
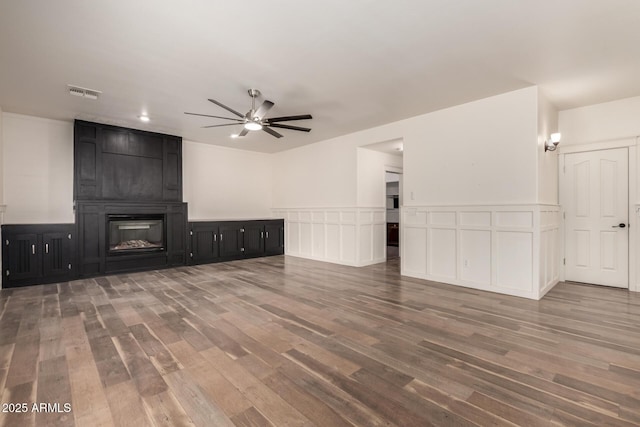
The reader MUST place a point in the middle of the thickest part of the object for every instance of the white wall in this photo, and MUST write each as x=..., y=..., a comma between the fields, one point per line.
x=317, y=175
x=37, y=169
x=223, y=183
x=547, y=160
x=601, y=122
x=482, y=152
x=371, y=182
x=485, y=153
x=332, y=196
x=460, y=155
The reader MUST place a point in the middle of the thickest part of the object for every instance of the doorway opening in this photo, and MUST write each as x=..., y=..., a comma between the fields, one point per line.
x=393, y=193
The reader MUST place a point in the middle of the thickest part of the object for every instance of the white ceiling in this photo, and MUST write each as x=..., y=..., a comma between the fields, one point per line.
x=351, y=64
x=394, y=147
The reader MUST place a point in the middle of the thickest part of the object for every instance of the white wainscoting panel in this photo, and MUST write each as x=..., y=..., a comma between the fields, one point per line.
x=514, y=255
x=475, y=253
x=511, y=249
x=348, y=243
x=305, y=230
x=475, y=219
x=366, y=243
x=318, y=239
x=634, y=247
x=414, y=262
x=332, y=238
x=442, y=252
x=350, y=236
x=292, y=234
x=550, y=245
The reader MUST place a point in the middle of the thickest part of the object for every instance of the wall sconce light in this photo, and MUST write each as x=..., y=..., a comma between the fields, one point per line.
x=552, y=143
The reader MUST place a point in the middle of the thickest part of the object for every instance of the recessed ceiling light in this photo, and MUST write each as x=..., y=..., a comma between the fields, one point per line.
x=234, y=135
x=143, y=118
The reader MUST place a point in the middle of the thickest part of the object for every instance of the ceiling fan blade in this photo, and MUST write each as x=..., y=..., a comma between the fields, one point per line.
x=271, y=132
x=243, y=133
x=276, y=125
x=289, y=118
x=229, y=109
x=225, y=124
x=215, y=117
x=266, y=106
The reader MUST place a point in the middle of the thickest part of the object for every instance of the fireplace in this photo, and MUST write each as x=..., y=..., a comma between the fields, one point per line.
x=135, y=233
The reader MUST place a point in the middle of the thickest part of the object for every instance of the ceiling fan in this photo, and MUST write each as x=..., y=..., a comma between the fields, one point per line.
x=255, y=119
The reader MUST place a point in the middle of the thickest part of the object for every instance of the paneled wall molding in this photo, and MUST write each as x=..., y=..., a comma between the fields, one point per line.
x=510, y=249
x=634, y=253
x=343, y=235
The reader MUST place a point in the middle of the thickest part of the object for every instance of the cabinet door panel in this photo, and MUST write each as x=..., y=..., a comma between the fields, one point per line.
x=253, y=239
x=204, y=244
x=24, y=256
x=274, y=237
x=56, y=258
x=230, y=240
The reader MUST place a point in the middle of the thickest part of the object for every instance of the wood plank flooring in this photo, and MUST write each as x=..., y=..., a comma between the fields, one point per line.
x=284, y=341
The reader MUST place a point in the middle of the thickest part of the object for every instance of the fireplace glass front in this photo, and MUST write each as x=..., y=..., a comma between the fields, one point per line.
x=136, y=233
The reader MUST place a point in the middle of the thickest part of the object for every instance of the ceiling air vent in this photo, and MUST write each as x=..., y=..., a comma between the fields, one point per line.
x=83, y=92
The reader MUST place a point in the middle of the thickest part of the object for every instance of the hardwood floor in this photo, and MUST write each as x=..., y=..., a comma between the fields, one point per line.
x=285, y=341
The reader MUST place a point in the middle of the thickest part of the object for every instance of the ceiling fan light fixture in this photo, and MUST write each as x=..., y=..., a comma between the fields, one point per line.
x=251, y=125
x=256, y=119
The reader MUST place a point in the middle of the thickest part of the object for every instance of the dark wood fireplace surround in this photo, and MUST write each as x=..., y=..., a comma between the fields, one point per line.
x=128, y=173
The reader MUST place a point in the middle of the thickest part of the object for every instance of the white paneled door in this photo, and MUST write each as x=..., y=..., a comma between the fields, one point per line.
x=595, y=196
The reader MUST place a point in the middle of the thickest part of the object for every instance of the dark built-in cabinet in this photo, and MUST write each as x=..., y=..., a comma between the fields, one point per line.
x=114, y=163
x=38, y=253
x=215, y=241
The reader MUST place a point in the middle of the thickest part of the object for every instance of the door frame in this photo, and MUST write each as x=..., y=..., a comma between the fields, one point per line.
x=633, y=201
x=398, y=170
